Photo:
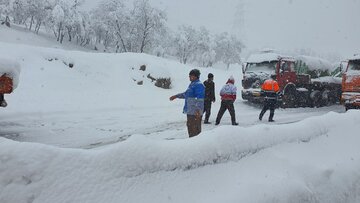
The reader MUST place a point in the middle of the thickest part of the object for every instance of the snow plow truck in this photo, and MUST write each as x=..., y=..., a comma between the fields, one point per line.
x=351, y=83
x=297, y=88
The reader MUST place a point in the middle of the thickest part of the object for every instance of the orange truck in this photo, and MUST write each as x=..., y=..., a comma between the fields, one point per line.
x=350, y=97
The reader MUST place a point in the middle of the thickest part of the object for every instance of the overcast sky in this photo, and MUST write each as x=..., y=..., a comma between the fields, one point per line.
x=325, y=26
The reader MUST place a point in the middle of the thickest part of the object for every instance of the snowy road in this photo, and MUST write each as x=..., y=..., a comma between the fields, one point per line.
x=96, y=128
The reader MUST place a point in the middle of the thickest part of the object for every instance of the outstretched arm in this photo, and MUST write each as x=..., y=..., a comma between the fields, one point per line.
x=180, y=96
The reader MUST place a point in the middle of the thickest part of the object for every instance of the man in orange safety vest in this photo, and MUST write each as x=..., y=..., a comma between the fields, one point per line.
x=269, y=90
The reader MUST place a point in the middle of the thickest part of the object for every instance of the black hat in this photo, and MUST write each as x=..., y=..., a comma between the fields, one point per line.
x=210, y=75
x=195, y=72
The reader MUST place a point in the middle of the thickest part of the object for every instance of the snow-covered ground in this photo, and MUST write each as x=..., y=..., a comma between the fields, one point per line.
x=92, y=134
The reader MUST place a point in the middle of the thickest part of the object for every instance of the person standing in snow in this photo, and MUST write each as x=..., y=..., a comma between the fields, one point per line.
x=209, y=96
x=194, y=103
x=228, y=96
x=269, y=90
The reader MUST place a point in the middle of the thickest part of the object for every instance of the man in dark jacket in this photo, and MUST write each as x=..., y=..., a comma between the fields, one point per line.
x=194, y=103
x=209, y=96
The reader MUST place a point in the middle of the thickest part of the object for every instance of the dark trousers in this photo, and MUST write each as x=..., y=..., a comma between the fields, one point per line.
x=207, y=109
x=226, y=105
x=1, y=97
x=193, y=125
x=268, y=104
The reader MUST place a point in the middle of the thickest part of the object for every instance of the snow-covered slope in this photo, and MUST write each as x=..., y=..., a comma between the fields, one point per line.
x=20, y=35
x=97, y=80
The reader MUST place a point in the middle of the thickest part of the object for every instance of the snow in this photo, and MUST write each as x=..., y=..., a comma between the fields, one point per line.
x=20, y=35
x=355, y=57
x=11, y=68
x=315, y=63
x=90, y=133
x=263, y=57
x=320, y=162
x=328, y=79
x=267, y=57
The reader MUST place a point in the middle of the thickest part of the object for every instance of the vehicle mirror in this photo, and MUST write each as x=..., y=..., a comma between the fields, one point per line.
x=243, y=68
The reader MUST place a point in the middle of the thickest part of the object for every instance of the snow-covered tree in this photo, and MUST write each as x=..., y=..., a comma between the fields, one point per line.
x=57, y=22
x=194, y=46
x=204, y=54
x=228, y=49
x=110, y=24
x=5, y=11
x=84, y=31
x=207, y=59
x=147, y=21
x=31, y=13
x=65, y=19
x=185, y=43
x=114, y=27
x=37, y=11
x=18, y=11
x=128, y=30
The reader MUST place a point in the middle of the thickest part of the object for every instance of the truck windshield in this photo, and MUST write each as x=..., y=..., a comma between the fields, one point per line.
x=264, y=67
x=354, y=66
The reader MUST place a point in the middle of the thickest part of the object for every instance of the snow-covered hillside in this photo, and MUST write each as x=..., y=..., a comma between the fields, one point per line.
x=91, y=133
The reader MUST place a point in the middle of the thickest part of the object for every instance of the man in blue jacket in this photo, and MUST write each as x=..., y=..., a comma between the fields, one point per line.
x=194, y=103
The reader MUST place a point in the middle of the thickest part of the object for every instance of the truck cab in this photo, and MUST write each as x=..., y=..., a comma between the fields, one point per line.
x=260, y=67
x=351, y=84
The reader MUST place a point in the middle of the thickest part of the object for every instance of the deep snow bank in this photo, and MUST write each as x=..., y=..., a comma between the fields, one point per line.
x=96, y=81
x=34, y=169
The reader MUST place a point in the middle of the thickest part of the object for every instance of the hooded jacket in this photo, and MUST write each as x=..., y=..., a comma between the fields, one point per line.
x=228, y=91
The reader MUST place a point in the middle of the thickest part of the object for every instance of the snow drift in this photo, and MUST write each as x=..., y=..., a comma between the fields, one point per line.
x=44, y=173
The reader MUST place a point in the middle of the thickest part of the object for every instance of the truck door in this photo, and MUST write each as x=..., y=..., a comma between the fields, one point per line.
x=287, y=73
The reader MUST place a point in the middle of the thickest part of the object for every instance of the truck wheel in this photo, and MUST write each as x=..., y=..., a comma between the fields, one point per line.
x=289, y=98
x=315, y=97
x=303, y=98
x=325, y=98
